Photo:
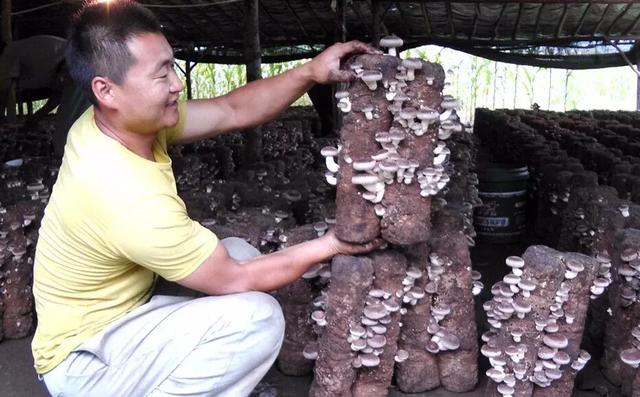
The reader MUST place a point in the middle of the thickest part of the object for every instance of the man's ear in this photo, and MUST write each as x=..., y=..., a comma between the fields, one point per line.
x=103, y=90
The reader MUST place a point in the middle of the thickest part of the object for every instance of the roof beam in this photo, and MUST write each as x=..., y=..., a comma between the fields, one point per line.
x=268, y=14
x=563, y=62
x=297, y=18
x=535, y=31
x=427, y=22
x=633, y=26
x=517, y=26
x=476, y=17
x=495, y=28
x=619, y=17
x=595, y=30
x=450, y=18
x=563, y=18
x=582, y=18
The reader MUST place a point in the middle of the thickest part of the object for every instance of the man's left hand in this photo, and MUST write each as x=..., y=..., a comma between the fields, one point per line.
x=326, y=66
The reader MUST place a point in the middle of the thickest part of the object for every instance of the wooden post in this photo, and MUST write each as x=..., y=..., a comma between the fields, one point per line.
x=253, y=62
x=638, y=89
x=7, y=38
x=187, y=72
x=515, y=86
x=549, y=90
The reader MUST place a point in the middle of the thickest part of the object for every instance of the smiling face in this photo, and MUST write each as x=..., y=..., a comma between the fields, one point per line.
x=147, y=98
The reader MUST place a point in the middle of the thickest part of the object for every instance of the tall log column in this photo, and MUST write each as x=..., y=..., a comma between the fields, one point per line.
x=253, y=61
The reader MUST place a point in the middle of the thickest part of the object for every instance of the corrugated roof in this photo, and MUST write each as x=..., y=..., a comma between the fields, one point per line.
x=517, y=31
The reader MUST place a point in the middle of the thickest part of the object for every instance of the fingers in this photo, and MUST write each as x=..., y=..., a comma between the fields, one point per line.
x=341, y=76
x=358, y=46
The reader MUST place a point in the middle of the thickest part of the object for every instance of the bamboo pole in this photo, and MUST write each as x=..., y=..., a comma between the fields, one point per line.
x=7, y=38
x=188, y=69
x=253, y=63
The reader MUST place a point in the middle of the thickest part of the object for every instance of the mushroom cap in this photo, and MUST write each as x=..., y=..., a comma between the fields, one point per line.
x=630, y=356
x=427, y=114
x=363, y=165
x=375, y=312
x=495, y=374
x=574, y=265
x=414, y=272
x=367, y=108
x=556, y=341
x=561, y=358
x=412, y=63
x=371, y=75
x=514, y=261
x=329, y=151
x=391, y=41
x=357, y=330
x=408, y=113
x=365, y=179
x=320, y=226
x=342, y=94
x=392, y=304
x=521, y=306
x=432, y=347
x=310, y=351
x=505, y=389
x=629, y=254
x=401, y=355
x=553, y=373
x=382, y=137
x=441, y=310
x=490, y=351
x=395, y=134
x=377, y=341
x=527, y=285
x=450, y=342
x=369, y=360
x=546, y=353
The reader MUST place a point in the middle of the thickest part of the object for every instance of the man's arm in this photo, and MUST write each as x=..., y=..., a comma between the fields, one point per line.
x=220, y=274
x=262, y=100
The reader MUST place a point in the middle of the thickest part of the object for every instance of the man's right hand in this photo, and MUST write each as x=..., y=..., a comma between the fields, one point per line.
x=340, y=247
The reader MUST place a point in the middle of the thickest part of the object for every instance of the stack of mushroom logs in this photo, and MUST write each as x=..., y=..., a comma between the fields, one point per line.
x=19, y=224
x=537, y=317
x=409, y=306
x=622, y=335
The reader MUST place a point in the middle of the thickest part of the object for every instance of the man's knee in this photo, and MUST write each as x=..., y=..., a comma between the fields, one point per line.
x=267, y=323
x=239, y=249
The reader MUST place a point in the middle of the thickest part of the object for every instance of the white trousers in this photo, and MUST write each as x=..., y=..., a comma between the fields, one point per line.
x=177, y=346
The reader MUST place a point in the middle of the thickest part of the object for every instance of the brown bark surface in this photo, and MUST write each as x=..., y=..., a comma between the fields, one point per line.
x=419, y=372
x=389, y=270
x=351, y=279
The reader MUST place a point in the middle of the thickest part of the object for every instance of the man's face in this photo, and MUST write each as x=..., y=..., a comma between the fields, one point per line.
x=147, y=98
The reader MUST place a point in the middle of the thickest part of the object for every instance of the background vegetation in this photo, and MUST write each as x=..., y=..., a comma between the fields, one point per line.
x=477, y=82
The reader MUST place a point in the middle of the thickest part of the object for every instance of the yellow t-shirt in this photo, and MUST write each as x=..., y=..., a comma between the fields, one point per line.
x=113, y=220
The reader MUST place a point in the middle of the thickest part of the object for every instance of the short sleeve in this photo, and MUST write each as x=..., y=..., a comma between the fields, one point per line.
x=159, y=235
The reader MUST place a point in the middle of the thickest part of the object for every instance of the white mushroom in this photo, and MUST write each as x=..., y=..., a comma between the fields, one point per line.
x=329, y=152
x=391, y=42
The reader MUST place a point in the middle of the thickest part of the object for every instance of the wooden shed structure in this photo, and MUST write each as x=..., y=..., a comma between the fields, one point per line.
x=550, y=33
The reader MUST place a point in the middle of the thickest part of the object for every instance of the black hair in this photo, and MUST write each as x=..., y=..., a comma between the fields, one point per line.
x=98, y=40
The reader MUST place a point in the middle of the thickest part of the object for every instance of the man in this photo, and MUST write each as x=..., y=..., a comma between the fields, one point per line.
x=114, y=219
x=35, y=66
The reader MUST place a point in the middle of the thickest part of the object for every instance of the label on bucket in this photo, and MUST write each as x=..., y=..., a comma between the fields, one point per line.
x=491, y=221
x=501, y=217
